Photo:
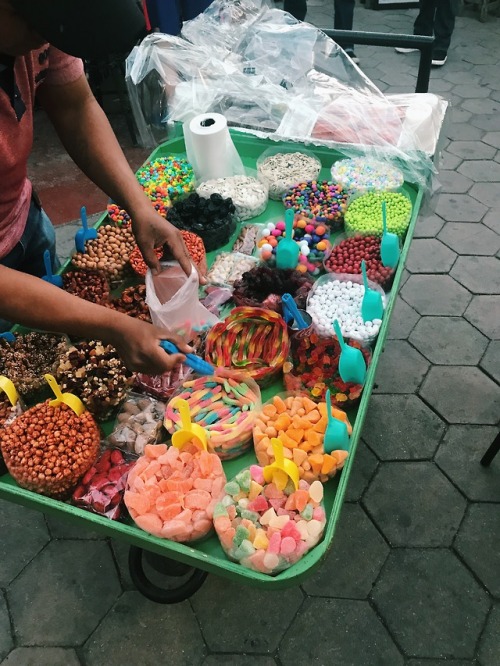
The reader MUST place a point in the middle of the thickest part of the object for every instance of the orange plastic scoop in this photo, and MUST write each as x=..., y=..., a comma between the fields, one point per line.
x=69, y=399
x=281, y=469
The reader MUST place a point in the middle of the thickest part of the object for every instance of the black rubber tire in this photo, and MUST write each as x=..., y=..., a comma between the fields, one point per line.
x=158, y=594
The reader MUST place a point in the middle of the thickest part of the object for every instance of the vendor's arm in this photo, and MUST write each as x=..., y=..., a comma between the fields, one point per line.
x=87, y=136
x=34, y=303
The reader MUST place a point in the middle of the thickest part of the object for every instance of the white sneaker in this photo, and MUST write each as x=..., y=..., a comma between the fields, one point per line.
x=439, y=58
x=401, y=49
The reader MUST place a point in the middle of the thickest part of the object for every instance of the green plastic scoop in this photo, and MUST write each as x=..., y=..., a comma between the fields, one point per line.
x=287, y=250
x=352, y=366
x=336, y=436
x=389, y=246
x=372, y=306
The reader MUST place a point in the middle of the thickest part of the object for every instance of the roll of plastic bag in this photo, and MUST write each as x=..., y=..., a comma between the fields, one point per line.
x=210, y=148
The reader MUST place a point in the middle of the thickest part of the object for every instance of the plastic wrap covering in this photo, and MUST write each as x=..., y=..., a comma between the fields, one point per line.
x=277, y=77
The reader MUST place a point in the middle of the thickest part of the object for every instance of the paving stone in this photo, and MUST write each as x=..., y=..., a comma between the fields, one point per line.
x=61, y=529
x=481, y=275
x=448, y=161
x=23, y=535
x=401, y=368
x=454, y=182
x=237, y=660
x=358, y=542
x=402, y=427
x=120, y=551
x=489, y=649
x=471, y=150
x=462, y=394
x=448, y=341
x=431, y=603
x=6, y=642
x=480, y=171
x=364, y=466
x=345, y=621
x=478, y=542
x=403, y=320
x=435, y=295
x=138, y=631
x=70, y=586
x=239, y=626
x=469, y=91
x=481, y=106
x=441, y=662
x=485, y=122
x=428, y=226
x=490, y=362
x=460, y=207
x=492, y=139
x=479, y=55
x=36, y=656
x=483, y=313
x=486, y=193
x=414, y=504
x=429, y=255
x=459, y=455
x=495, y=94
x=472, y=239
x=462, y=131
x=462, y=78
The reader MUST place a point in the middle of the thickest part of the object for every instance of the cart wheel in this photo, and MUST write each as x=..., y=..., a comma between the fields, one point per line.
x=170, y=570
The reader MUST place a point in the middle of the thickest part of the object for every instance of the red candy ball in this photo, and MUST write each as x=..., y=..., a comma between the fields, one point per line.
x=347, y=256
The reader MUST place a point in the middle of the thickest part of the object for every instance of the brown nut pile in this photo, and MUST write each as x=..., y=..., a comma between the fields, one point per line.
x=32, y=355
x=48, y=449
x=109, y=252
x=96, y=374
x=132, y=302
x=90, y=285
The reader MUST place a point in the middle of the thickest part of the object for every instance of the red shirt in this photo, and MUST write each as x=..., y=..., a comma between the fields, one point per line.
x=44, y=65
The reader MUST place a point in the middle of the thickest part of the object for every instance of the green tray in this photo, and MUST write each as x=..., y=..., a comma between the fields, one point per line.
x=208, y=555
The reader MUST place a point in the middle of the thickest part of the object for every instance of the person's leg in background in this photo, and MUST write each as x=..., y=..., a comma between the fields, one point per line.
x=297, y=8
x=343, y=20
x=444, y=24
x=424, y=23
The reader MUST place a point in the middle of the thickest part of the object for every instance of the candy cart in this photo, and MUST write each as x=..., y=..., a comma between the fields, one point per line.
x=188, y=565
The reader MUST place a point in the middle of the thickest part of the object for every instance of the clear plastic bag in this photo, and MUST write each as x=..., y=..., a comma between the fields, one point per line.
x=229, y=267
x=283, y=167
x=138, y=423
x=172, y=298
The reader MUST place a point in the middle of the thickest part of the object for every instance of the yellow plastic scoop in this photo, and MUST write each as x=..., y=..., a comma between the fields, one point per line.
x=9, y=389
x=281, y=469
x=190, y=432
x=69, y=399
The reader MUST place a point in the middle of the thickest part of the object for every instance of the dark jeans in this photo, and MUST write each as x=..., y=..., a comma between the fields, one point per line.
x=344, y=14
x=437, y=17
x=27, y=255
x=297, y=8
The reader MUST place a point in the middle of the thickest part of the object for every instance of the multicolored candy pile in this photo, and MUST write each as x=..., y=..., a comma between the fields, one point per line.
x=267, y=529
x=165, y=179
x=363, y=174
x=118, y=215
x=172, y=494
x=323, y=200
x=300, y=425
x=311, y=236
x=314, y=367
x=225, y=406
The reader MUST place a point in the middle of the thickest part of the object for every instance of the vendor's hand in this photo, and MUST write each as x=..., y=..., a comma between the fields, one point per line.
x=138, y=344
x=151, y=230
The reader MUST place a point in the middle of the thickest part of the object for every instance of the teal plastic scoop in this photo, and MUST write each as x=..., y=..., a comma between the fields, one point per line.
x=56, y=280
x=372, y=306
x=352, y=366
x=336, y=436
x=287, y=250
x=85, y=233
x=389, y=246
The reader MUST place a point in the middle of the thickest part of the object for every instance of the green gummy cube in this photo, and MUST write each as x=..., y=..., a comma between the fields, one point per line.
x=244, y=478
x=241, y=534
x=307, y=514
x=232, y=488
x=244, y=550
x=250, y=515
x=219, y=510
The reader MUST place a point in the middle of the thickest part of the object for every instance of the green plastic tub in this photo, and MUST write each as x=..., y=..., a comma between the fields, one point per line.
x=208, y=555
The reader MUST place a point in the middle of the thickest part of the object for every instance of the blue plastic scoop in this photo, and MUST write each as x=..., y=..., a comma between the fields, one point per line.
x=200, y=366
x=84, y=234
x=372, y=306
x=336, y=435
x=352, y=366
x=56, y=280
x=291, y=312
x=8, y=337
x=389, y=246
x=287, y=250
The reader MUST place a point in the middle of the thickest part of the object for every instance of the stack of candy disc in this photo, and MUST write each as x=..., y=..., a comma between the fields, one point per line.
x=267, y=529
x=172, y=494
x=250, y=339
x=224, y=405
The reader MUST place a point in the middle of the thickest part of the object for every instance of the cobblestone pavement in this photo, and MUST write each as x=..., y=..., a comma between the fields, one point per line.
x=413, y=574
